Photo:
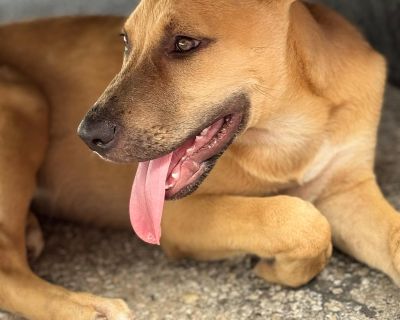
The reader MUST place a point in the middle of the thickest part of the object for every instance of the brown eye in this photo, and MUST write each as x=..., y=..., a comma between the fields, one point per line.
x=124, y=36
x=185, y=44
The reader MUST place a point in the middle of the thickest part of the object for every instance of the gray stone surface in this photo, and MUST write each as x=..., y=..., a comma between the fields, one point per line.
x=116, y=264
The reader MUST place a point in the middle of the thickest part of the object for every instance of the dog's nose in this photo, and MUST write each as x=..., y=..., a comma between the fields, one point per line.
x=98, y=135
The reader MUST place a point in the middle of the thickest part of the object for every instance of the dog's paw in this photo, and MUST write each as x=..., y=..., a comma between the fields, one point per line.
x=34, y=238
x=293, y=272
x=90, y=307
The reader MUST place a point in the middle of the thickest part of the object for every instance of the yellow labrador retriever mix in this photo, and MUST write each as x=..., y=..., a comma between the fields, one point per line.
x=285, y=95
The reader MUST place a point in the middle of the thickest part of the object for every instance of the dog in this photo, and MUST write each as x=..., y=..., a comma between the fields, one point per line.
x=259, y=117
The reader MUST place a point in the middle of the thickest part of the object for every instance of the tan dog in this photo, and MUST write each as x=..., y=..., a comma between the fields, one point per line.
x=299, y=86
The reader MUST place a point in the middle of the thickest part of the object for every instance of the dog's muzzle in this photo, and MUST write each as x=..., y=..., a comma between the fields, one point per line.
x=99, y=135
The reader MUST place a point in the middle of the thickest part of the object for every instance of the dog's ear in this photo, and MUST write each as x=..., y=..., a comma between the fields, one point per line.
x=286, y=3
x=289, y=2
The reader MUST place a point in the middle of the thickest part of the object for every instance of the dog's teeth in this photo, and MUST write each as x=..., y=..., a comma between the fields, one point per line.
x=213, y=143
x=190, y=151
x=175, y=175
x=205, y=131
x=169, y=186
x=228, y=119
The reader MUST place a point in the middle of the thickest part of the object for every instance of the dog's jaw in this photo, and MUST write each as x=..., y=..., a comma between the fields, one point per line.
x=193, y=161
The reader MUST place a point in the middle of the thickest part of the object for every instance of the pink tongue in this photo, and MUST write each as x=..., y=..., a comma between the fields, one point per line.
x=147, y=198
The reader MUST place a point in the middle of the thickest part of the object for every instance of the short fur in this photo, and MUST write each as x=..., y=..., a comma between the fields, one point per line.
x=300, y=173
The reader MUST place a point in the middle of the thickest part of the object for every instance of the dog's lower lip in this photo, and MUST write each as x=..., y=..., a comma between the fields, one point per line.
x=190, y=161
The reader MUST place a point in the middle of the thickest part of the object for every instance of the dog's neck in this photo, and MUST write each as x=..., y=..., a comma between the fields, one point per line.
x=322, y=51
x=289, y=137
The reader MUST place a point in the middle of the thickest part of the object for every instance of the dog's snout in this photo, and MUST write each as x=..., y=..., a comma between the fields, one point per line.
x=98, y=135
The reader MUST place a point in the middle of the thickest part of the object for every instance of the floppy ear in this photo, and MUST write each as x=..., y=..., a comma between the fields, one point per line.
x=283, y=4
x=289, y=2
x=286, y=3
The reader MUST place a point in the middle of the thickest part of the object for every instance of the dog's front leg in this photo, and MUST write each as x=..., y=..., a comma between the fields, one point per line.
x=290, y=235
x=364, y=224
x=23, y=140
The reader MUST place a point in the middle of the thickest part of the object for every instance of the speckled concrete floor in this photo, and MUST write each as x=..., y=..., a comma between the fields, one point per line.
x=115, y=264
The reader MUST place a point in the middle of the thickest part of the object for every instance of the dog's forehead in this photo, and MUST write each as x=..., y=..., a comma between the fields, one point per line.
x=161, y=15
x=148, y=15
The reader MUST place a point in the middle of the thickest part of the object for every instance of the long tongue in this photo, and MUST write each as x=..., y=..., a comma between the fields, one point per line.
x=147, y=198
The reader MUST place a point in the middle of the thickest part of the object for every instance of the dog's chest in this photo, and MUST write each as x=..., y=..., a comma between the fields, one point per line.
x=317, y=175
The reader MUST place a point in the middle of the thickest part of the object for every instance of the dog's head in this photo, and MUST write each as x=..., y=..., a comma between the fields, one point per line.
x=196, y=73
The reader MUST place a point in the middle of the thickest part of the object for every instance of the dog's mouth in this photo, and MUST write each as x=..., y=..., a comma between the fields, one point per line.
x=178, y=174
x=191, y=162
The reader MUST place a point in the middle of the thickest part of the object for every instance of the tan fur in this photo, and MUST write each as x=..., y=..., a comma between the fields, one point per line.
x=315, y=88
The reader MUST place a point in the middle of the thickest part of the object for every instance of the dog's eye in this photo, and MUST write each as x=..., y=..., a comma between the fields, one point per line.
x=186, y=44
x=125, y=38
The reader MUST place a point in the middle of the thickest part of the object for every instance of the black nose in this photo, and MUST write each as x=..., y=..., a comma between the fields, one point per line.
x=98, y=135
